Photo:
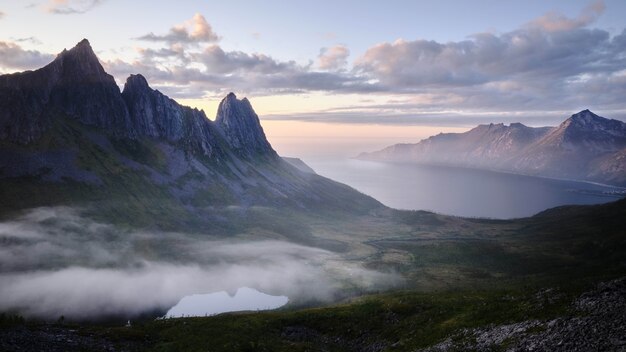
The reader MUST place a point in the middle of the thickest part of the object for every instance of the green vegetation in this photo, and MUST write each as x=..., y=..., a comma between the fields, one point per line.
x=400, y=321
x=459, y=273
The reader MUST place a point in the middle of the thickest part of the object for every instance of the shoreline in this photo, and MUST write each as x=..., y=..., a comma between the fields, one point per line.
x=500, y=171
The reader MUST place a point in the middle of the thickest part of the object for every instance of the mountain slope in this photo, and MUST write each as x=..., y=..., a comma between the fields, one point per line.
x=70, y=137
x=573, y=148
x=484, y=145
x=585, y=146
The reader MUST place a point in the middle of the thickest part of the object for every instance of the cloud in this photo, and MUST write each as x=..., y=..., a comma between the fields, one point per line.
x=534, y=68
x=553, y=63
x=2, y=14
x=216, y=60
x=518, y=56
x=333, y=58
x=32, y=40
x=553, y=21
x=195, y=30
x=212, y=71
x=14, y=57
x=68, y=7
x=55, y=262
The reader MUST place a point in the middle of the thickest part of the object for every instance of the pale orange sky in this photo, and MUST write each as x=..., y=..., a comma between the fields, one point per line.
x=318, y=140
x=313, y=140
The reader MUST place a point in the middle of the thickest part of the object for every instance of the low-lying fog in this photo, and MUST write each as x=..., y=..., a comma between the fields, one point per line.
x=55, y=262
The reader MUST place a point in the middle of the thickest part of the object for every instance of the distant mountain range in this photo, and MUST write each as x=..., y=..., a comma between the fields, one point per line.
x=583, y=147
x=68, y=136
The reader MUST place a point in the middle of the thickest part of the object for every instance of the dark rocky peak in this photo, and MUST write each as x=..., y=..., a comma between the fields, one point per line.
x=589, y=133
x=85, y=92
x=80, y=64
x=136, y=83
x=586, y=117
x=74, y=85
x=153, y=114
x=241, y=127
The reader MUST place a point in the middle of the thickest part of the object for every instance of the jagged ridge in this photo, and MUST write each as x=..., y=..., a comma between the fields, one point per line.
x=68, y=135
x=76, y=85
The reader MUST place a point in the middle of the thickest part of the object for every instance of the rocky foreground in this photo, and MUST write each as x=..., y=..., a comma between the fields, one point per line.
x=597, y=323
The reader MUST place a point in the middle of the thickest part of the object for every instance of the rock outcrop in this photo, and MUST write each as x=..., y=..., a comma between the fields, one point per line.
x=597, y=325
x=241, y=127
x=152, y=114
x=74, y=84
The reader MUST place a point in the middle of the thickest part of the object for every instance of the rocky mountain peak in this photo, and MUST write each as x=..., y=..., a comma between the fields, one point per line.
x=590, y=123
x=585, y=117
x=241, y=126
x=81, y=64
x=135, y=83
x=74, y=85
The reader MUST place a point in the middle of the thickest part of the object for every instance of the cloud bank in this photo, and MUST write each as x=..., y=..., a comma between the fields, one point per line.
x=54, y=262
x=552, y=64
x=14, y=57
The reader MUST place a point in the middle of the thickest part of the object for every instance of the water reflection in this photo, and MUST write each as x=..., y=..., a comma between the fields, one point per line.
x=460, y=191
x=245, y=298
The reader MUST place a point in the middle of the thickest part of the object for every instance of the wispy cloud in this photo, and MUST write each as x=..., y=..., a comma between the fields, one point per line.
x=2, y=14
x=554, y=21
x=68, y=7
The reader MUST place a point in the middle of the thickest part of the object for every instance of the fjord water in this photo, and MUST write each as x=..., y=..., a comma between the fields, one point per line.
x=460, y=191
x=220, y=302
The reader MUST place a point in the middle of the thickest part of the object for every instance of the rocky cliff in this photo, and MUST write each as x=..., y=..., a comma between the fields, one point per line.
x=74, y=84
x=68, y=135
x=241, y=127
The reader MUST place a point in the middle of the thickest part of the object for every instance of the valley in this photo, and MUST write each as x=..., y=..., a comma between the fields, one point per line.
x=117, y=204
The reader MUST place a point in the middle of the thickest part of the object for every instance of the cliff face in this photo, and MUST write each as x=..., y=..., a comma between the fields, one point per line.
x=241, y=127
x=74, y=84
x=153, y=114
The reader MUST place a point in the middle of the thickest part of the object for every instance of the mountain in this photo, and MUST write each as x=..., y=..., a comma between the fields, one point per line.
x=68, y=136
x=486, y=145
x=585, y=147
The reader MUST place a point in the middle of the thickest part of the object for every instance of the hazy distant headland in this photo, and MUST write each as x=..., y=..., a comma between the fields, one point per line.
x=584, y=147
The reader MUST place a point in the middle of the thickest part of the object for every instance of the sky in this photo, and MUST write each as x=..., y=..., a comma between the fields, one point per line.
x=356, y=74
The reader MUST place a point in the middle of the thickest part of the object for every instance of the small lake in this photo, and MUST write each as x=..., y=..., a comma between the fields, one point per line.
x=200, y=305
x=461, y=191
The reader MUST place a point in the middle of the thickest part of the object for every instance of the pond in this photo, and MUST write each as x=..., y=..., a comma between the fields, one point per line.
x=199, y=305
